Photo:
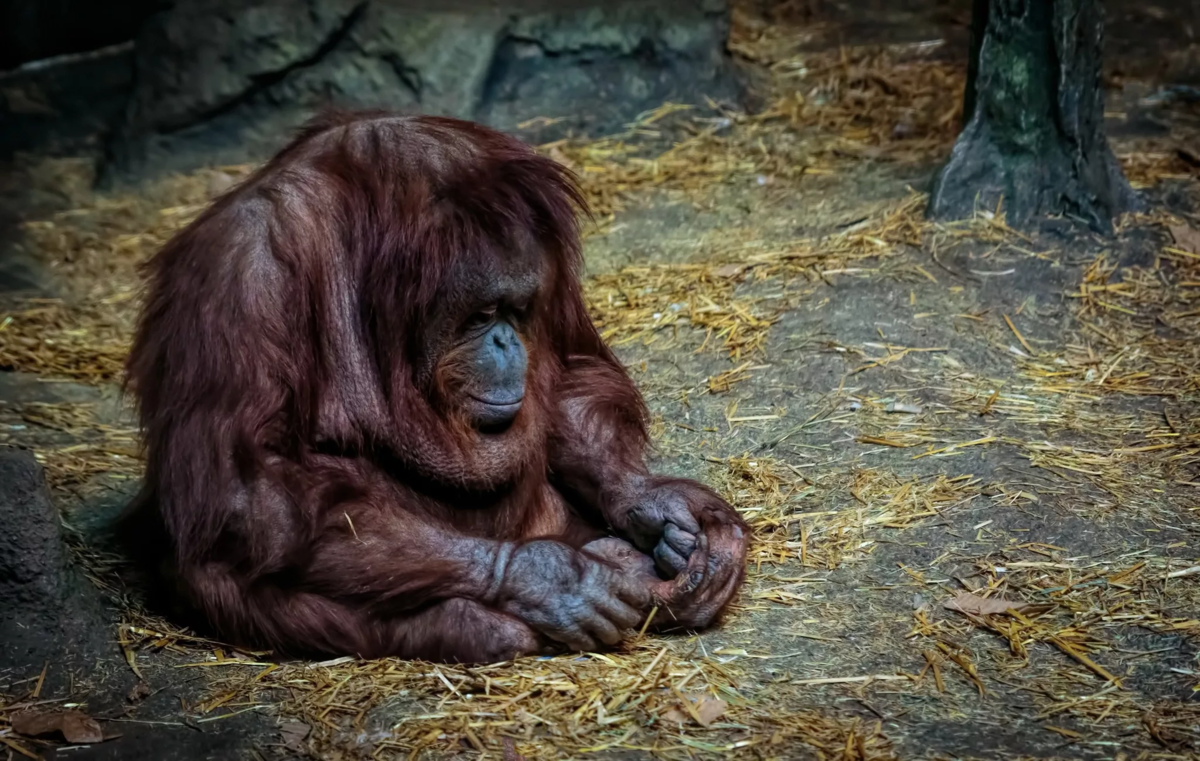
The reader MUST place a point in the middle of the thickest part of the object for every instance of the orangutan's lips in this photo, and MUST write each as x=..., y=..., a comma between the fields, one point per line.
x=500, y=404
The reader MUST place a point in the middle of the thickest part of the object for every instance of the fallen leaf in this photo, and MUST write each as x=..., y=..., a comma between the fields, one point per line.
x=76, y=727
x=676, y=715
x=982, y=606
x=510, y=751
x=705, y=710
x=293, y=733
x=1186, y=238
x=710, y=709
x=138, y=692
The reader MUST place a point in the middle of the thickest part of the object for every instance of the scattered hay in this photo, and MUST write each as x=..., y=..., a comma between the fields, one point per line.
x=641, y=697
x=1073, y=606
x=85, y=343
x=75, y=446
x=891, y=104
x=1147, y=168
x=641, y=302
x=92, y=253
x=1139, y=324
x=778, y=499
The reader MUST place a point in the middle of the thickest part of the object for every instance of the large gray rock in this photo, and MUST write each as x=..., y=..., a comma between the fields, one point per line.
x=48, y=611
x=226, y=80
x=54, y=619
x=65, y=106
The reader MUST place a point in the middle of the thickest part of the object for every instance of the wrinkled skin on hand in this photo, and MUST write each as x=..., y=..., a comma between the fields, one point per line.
x=570, y=596
x=622, y=555
x=696, y=540
x=507, y=637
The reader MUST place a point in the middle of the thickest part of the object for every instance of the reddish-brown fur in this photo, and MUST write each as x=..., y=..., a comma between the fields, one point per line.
x=316, y=491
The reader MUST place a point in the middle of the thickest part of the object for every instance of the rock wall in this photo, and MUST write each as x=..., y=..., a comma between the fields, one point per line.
x=226, y=80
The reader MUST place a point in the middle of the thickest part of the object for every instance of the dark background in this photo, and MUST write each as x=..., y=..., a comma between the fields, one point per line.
x=35, y=29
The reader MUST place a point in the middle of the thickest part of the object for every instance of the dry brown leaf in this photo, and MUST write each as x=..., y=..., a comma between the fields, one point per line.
x=705, y=710
x=510, y=751
x=1186, y=238
x=138, y=692
x=710, y=709
x=76, y=727
x=294, y=733
x=982, y=606
x=676, y=715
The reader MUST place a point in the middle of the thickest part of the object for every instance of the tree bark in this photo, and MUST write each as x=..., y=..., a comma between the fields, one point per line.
x=1034, y=143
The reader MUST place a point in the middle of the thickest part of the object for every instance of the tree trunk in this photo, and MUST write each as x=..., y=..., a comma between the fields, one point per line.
x=1034, y=142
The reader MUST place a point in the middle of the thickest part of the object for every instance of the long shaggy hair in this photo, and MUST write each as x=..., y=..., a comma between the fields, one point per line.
x=286, y=319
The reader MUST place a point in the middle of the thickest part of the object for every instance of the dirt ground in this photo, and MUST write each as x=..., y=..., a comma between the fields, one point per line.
x=905, y=411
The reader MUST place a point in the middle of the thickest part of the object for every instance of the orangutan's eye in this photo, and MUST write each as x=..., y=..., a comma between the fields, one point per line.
x=521, y=308
x=480, y=319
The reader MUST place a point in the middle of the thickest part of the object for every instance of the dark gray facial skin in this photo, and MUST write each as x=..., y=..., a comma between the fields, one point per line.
x=481, y=327
x=500, y=363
